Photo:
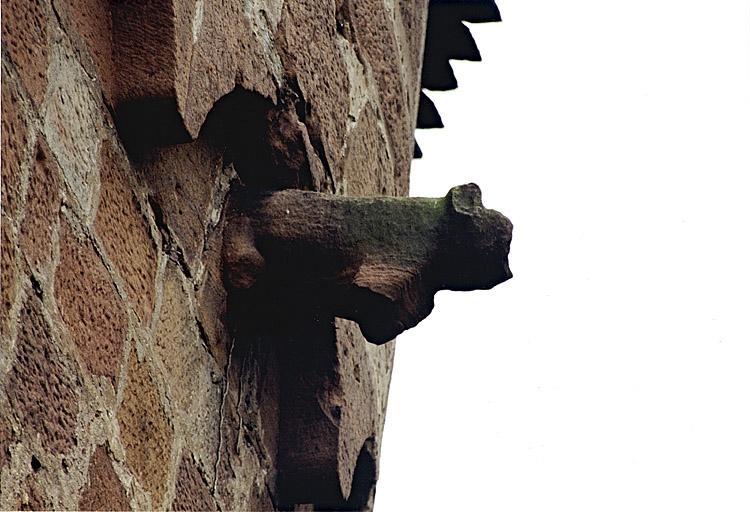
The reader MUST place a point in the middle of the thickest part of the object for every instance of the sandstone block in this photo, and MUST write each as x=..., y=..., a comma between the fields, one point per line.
x=197, y=52
x=412, y=16
x=15, y=142
x=43, y=202
x=375, y=34
x=89, y=24
x=358, y=397
x=191, y=490
x=181, y=179
x=32, y=496
x=124, y=231
x=145, y=431
x=89, y=304
x=368, y=170
x=212, y=299
x=74, y=114
x=26, y=35
x=188, y=370
x=103, y=490
x=6, y=438
x=307, y=41
x=43, y=384
x=8, y=273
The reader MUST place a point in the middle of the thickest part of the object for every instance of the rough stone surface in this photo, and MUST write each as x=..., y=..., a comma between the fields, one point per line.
x=32, y=496
x=104, y=490
x=367, y=166
x=145, y=431
x=42, y=208
x=144, y=49
x=306, y=372
x=89, y=304
x=413, y=20
x=15, y=140
x=378, y=42
x=73, y=115
x=191, y=491
x=196, y=53
x=26, y=34
x=181, y=179
x=188, y=370
x=89, y=24
x=356, y=392
x=378, y=261
x=5, y=440
x=212, y=298
x=8, y=274
x=43, y=384
x=308, y=39
x=124, y=231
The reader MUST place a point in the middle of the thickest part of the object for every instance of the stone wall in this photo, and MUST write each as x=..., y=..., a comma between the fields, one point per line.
x=129, y=377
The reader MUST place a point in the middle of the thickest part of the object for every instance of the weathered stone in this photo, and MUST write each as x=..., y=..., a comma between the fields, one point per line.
x=43, y=202
x=267, y=145
x=368, y=170
x=244, y=478
x=356, y=395
x=378, y=261
x=217, y=37
x=212, y=299
x=191, y=490
x=15, y=141
x=6, y=438
x=362, y=494
x=181, y=179
x=330, y=410
x=144, y=40
x=310, y=54
x=8, y=273
x=413, y=20
x=74, y=114
x=89, y=304
x=375, y=34
x=103, y=490
x=197, y=52
x=145, y=431
x=293, y=161
x=89, y=24
x=124, y=232
x=32, y=496
x=259, y=67
x=25, y=35
x=189, y=368
x=43, y=384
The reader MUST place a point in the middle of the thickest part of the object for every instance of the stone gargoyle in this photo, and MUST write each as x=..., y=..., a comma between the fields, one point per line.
x=378, y=260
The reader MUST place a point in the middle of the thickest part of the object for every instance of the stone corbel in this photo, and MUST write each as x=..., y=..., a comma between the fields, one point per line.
x=378, y=261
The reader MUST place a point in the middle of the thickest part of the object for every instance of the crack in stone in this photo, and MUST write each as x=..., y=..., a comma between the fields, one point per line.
x=221, y=417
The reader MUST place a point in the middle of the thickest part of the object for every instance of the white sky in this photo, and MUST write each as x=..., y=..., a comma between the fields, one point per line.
x=612, y=373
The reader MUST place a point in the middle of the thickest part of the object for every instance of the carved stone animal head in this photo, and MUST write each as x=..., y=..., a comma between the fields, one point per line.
x=476, y=244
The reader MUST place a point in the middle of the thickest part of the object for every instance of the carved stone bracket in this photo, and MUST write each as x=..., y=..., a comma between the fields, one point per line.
x=378, y=261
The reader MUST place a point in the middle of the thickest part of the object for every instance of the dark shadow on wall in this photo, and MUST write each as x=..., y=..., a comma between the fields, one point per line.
x=265, y=142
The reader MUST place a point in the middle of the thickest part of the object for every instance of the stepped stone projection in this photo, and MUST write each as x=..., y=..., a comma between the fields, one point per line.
x=162, y=346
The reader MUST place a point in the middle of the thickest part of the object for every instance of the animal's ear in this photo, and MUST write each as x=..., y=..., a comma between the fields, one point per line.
x=465, y=199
